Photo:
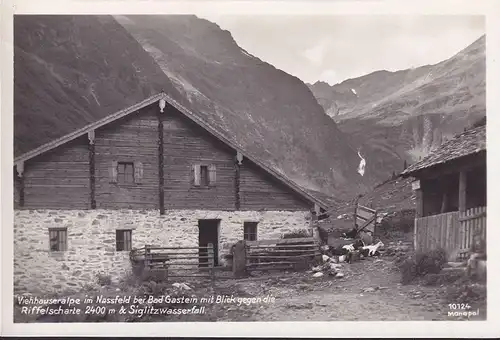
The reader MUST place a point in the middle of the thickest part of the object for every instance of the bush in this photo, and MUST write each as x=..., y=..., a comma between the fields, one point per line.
x=421, y=264
x=103, y=279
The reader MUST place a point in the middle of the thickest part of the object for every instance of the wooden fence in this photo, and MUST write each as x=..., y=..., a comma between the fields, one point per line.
x=175, y=262
x=264, y=255
x=451, y=231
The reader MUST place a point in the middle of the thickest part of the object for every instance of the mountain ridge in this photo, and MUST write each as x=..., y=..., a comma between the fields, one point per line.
x=401, y=116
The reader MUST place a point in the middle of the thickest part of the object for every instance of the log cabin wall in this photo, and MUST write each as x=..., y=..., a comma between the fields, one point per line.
x=185, y=145
x=62, y=178
x=132, y=140
x=58, y=179
x=260, y=191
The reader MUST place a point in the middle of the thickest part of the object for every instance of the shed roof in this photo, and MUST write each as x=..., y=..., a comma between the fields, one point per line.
x=467, y=143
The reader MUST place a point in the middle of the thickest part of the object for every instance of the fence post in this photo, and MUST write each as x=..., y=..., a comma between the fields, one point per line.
x=211, y=258
x=239, y=259
x=147, y=252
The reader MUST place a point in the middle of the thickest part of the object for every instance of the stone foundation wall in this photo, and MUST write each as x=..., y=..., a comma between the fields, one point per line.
x=92, y=238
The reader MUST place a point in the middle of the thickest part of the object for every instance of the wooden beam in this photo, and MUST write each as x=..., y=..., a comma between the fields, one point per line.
x=161, y=161
x=237, y=197
x=420, y=203
x=317, y=209
x=92, y=171
x=462, y=191
x=20, y=177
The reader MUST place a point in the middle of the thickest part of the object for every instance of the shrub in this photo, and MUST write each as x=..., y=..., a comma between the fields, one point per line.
x=430, y=262
x=421, y=264
x=103, y=279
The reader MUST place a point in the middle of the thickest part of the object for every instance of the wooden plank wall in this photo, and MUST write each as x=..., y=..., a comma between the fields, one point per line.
x=132, y=139
x=451, y=231
x=436, y=231
x=186, y=144
x=59, y=179
x=260, y=191
x=471, y=221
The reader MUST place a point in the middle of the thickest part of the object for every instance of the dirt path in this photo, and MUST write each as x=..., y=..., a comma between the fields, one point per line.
x=369, y=291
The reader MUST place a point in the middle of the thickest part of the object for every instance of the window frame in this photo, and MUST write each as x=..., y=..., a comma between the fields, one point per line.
x=126, y=244
x=204, y=180
x=252, y=232
x=122, y=178
x=61, y=239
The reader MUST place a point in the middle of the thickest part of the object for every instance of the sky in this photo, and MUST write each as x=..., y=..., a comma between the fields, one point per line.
x=335, y=48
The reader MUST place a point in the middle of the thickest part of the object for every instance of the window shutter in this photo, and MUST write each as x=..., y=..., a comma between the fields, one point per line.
x=211, y=174
x=196, y=174
x=113, y=172
x=138, y=172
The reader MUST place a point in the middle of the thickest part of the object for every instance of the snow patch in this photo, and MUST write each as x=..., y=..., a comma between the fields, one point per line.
x=354, y=91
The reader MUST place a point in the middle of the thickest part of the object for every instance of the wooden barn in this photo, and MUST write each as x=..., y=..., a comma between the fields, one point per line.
x=151, y=173
x=451, y=189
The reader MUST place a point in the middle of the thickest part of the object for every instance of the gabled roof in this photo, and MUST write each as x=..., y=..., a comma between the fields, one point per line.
x=467, y=143
x=317, y=198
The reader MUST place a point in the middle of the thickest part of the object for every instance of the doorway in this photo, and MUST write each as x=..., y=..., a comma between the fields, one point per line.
x=208, y=233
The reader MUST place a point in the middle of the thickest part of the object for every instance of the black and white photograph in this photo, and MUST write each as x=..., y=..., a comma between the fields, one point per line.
x=241, y=167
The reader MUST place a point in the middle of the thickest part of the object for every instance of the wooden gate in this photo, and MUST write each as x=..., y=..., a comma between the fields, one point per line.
x=365, y=218
x=174, y=262
x=293, y=253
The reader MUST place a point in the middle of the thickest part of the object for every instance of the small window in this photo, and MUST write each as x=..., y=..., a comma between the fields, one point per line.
x=250, y=231
x=123, y=240
x=58, y=238
x=126, y=173
x=204, y=175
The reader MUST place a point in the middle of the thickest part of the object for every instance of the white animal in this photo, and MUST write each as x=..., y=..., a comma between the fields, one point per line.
x=362, y=164
x=373, y=248
x=348, y=247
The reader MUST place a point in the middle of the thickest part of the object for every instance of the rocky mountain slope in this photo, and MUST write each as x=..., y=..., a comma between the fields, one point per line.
x=269, y=112
x=401, y=116
x=73, y=70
